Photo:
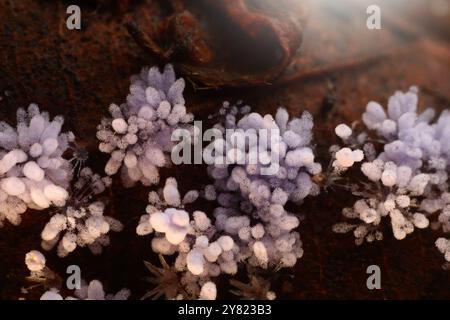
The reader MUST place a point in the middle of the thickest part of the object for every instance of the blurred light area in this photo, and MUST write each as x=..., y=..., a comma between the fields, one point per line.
x=439, y=8
x=432, y=17
x=336, y=32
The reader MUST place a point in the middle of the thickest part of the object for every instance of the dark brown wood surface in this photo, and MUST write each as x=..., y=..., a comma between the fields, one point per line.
x=343, y=66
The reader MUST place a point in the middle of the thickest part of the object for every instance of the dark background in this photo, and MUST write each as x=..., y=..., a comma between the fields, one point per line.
x=344, y=65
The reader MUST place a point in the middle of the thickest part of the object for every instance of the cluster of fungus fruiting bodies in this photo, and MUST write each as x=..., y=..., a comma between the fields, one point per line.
x=81, y=221
x=258, y=164
x=407, y=179
x=258, y=178
x=253, y=182
x=138, y=133
x=201, y=253
x=33, y=172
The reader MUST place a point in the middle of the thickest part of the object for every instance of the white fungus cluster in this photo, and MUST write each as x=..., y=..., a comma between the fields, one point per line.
x=252, y=201
x=407, y=180
x=92, y=291
x=201, y=252
x=81, y=222
x=138, y=133
x=33, y=172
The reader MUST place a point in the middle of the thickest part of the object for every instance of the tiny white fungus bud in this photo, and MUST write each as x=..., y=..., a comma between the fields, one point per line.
x=226, y=242
x=119, y=125
x=208, y=291
x=343, y=131
x=32, y=171
x=180, y=218
x=195, y=262
x=35, y=261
